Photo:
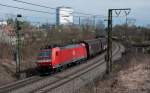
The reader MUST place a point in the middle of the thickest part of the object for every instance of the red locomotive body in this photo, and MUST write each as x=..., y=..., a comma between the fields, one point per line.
x=59, y=56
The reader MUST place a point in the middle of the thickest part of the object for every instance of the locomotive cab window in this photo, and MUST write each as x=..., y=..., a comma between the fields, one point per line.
x=45, y=53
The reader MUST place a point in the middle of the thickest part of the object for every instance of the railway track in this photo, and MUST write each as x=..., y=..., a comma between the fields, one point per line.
x=46, y=84
x=49, y=88
x=19, y=84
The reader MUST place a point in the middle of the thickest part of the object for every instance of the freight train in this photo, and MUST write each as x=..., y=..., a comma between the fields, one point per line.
x=57, y=57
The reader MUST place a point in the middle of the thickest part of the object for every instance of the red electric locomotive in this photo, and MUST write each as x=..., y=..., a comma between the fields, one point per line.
x=53, y=58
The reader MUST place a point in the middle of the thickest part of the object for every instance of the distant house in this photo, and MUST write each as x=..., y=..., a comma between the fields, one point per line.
x=7, y=34
x=3, y=23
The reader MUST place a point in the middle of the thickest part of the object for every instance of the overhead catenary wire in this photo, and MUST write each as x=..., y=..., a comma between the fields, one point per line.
x=9, y=6
x=34, y=4
x=25, y=9
x=43, y=6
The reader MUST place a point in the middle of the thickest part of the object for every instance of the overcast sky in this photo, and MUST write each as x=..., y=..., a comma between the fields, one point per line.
x=140, y=8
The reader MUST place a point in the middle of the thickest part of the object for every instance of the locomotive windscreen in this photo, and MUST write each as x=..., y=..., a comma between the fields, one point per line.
x=45, y=54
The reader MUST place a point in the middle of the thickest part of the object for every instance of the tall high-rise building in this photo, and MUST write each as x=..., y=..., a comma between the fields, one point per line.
x=64, y=16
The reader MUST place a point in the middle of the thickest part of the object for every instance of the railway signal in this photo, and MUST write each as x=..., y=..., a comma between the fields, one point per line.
x=109, y=37
x=18, y=42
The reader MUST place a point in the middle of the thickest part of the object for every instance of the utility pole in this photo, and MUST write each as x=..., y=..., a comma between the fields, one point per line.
x=79, y=20
x=109, y=42
x=94, y=22
x=126, y=25
x=80, y=23
x=18, y=42
x=109, y=63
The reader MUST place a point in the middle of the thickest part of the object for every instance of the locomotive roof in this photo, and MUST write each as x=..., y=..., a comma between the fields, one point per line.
x=71, y=46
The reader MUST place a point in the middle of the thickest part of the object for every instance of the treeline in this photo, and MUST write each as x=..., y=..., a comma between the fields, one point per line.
x=34, y=37
x=132, y=33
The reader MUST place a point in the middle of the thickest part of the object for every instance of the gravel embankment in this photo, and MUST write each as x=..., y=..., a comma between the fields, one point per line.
x=7, y=71
x=131, y=75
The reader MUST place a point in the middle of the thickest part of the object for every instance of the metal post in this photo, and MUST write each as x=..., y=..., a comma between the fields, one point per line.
x=80, y=24
x=79, y=20
x=109, y=39
x=109, y=42
x=94, y=22
x=18, y=54
x=125, y=32
x=126, y=24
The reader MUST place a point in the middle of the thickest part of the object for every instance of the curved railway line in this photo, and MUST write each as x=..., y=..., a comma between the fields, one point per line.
x=37, y=84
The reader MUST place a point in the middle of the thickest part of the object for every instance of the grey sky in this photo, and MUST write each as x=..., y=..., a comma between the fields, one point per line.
x=140, y=8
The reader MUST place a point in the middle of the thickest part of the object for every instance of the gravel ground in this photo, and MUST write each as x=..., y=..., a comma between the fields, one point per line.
x=7, y=70
x=131, y=74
